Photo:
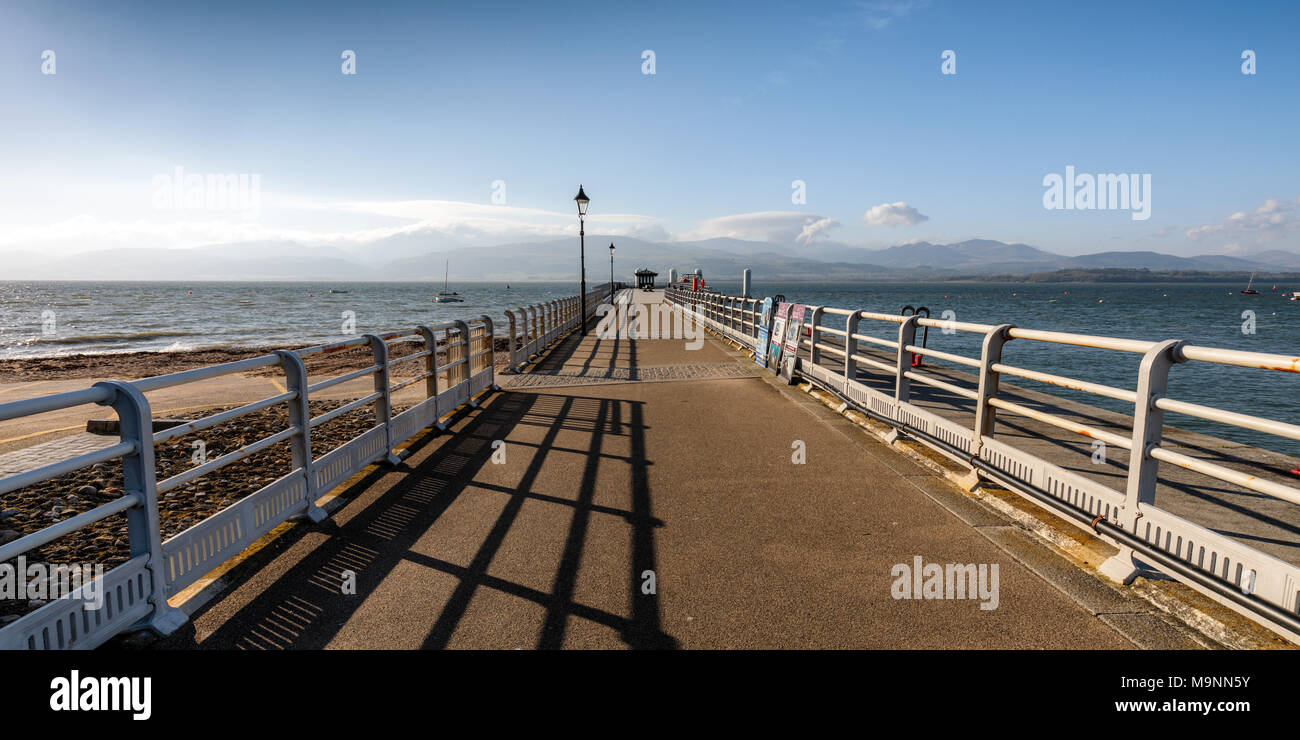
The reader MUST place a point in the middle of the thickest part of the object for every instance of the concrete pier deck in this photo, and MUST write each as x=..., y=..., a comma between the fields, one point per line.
x=540, y=519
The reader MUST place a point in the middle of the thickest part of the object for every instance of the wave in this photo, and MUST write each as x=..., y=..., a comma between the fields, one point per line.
x=114, y=338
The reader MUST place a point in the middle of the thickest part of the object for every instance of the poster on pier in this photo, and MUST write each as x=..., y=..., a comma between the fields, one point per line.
x=793, y=333
x=778, y=331
x=764, y=331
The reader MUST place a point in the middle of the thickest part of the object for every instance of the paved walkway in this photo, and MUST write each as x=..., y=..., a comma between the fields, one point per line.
x=30, y=458
x=655, y=515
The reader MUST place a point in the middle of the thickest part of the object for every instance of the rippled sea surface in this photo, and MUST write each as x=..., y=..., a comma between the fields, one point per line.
x=51, y=318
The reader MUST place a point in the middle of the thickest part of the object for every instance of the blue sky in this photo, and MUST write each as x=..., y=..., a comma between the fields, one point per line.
x=746, y=98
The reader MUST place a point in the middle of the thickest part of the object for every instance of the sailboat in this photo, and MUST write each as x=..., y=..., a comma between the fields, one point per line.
x=444, y=296
x=1249, y=290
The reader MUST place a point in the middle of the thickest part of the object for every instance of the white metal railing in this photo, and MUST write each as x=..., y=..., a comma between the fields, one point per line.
x=456, y=365
x=534, y=328
x=832, y=359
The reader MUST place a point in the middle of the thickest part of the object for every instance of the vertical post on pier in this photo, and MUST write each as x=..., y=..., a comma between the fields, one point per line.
x=510, y=316
x=850, y=348
x=525, y=341
x=537, y=336
x=1143, y=470
x=383, y=404
x=295, y=380
x=462, y=370
x=985, y=414
x=814, y=352
x=431, y=371
x=1148, y=423
x=144, y=535
x=491, y=338
x=906, y=336
x=745, y=283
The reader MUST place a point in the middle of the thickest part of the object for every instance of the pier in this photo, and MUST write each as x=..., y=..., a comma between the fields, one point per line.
x=616, y=491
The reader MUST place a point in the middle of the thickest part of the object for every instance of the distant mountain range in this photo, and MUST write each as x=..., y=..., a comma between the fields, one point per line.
x=557, y=260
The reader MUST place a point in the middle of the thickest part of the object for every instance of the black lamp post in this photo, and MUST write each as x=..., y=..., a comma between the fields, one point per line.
x=611, y=268
x=582, y=200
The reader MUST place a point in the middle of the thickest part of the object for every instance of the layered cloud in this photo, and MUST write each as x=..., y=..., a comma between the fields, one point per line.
x=1273, y=220
x=779, y=227
x=893, y=214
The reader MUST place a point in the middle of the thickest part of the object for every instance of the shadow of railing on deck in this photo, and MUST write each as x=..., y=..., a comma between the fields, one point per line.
x=305, y=607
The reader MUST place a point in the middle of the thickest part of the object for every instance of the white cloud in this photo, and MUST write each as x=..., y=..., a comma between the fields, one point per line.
x=1272, y=221
x=779, y=227
x=813, y=229
x=893, y=214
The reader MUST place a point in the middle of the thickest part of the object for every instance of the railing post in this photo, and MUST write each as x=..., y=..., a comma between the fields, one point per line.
x=462, y=370
x=295, y=379
x=522, y=357
x=850, y=348
x=1148, y=423
x=384, y=404
x=985, y=415
x=510, y=317
x=537, y=335
x=490, y=339
x=814, y=352
x=144, y=535
x=906, y=336
x=431, y=367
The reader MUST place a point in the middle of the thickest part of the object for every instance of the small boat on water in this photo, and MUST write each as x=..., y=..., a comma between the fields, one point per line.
x=1249, y=290
x=445, y=296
